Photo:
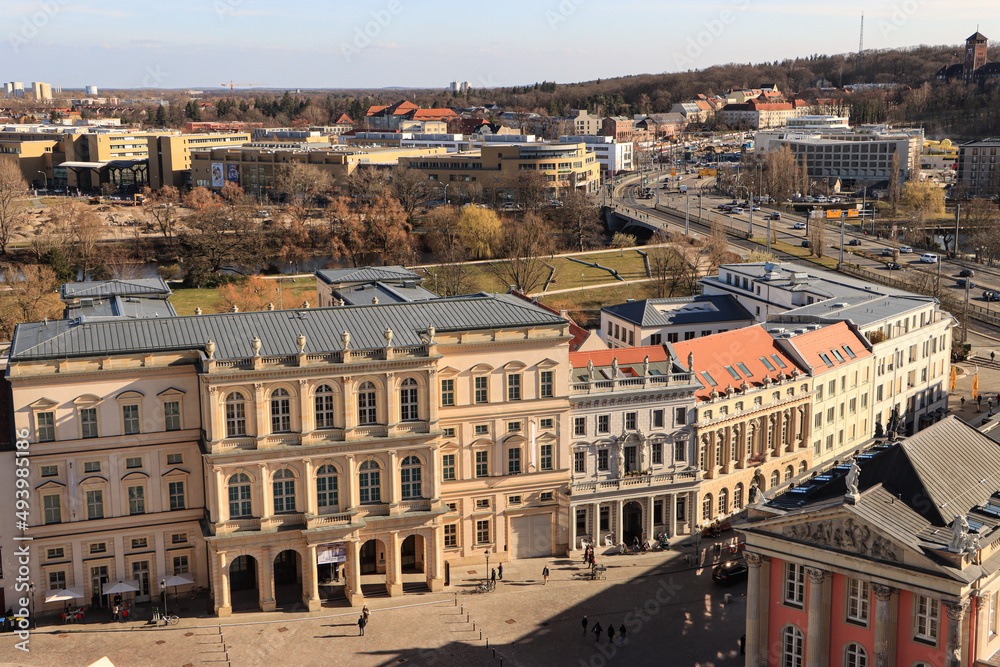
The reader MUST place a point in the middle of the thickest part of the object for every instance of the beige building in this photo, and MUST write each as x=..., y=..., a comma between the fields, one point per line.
x=170, y=155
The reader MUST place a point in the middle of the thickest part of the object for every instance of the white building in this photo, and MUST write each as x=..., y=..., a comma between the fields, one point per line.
x=611, y=155
x=670, y=320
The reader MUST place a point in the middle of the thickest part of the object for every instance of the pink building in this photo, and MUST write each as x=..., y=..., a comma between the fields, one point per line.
x=889, y=559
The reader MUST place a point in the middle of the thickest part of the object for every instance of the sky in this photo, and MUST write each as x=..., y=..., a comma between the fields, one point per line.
x=289, y=44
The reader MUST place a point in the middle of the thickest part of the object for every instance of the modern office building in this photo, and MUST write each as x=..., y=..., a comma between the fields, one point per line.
x=612, y=155
x=977, y=172
x=170, y=155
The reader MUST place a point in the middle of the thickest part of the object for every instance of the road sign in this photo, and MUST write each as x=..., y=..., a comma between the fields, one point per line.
x=853, y=213
x=673, y=172
x=833, y=212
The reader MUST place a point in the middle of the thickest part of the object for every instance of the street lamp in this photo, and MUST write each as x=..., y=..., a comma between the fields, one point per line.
x=487, y=552
x=31, y=603
x=163, y=587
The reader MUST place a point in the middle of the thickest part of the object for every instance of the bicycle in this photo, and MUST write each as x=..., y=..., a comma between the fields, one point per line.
x=169, y=619
x=196, y=591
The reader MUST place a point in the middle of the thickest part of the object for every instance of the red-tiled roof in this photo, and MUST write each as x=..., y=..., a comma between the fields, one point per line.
x=825, y=341
x=372, y=110
x=712, y=354
x=624, y=355
x=433, y=114
x=343, y=118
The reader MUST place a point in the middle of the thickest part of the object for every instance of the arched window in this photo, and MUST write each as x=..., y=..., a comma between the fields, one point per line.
x=792, y=643
x=802, y=468
x=855, y=655
x=409, y=476
x=284, y=491
x=326, y=489
x=281, y=411
x=408, y=401
x=789, y=472
x=370, y=482
x=706, y=507
x=239, y=496
x=367, y=412
x=724, y=501
x=326, y=406
x=236, y=415
x=775, y=479
x=738, y=497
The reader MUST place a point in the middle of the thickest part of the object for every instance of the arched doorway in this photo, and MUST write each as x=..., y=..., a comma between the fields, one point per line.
x=411, y=555
x=372, y=557
x=243, y=591
x=288, y=578
x=631, y=522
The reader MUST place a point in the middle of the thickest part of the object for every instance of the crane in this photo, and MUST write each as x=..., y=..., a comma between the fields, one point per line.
x=233, y=84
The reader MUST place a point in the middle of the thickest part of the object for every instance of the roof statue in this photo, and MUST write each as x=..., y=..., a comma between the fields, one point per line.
x=614, y=368
x=959, y=534
x=590, y=369
x=852, y=479
x=645, y=365
x=691, y=361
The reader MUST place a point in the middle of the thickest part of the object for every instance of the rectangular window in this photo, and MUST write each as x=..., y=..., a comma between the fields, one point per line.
x=605, y=518
x=513, y=500
x=602, y=459
x=130, y=419
x=581, y=522
x=92, y=466
x=172, y=415
x=133, y=462
x=858, y=600
x=451, y=535
x=514, y=387
x=514, y=461
x=447, y=466
x=679, y=454
x=447, y=392
x=99, y=548
x=449, y=432
x=546, y=424
x=993, y=614
x=795, y=584
x=657, y=418
x=50, y=471
x=483, y=531
x=176, y=492
x=853, y=405
x=545, y=496
x=545, y=390
x=57, y=553
x=681, y=509
x=179, y=538
x=631, y=420
x=53, y=509
x=603, y=423
x=679, y=416
x=545, y=457
x=139, y=543
x=482, y=429
x=175, y=459
x=482, y=463
x=657, y=453
x=580, y=462
x=656, y=339
x=482, y=389
x=136, y=500
x=45, y=426
x=95, y=504
x=513, y=427
x=579, y=426
x=925, y=619
x=818, y=421
x=88, y=422
x=181, y=565
x=57, y=580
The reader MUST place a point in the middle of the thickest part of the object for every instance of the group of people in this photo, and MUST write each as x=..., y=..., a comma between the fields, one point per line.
x=120, y=611
x=599, y=631
x=70, y=615
x=363, y=620
x=588, y=556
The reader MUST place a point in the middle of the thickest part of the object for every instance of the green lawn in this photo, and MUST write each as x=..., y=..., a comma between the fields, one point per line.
x=803, y=253
x=293, y=293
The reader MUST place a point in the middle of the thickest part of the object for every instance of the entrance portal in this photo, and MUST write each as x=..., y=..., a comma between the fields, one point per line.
x=288, y=578
x=243, y=583
x=631, y=523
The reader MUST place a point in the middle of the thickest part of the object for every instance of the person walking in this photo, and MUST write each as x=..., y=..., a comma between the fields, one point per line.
x=993, y=356
x=598, y=632
x=611, y=633
x=361, y=625
x=493, y=576
x=545, y=575
x=963, y=402
x=584, y=624
x=500, y=571
x=621, y=634
x=116, y=610
x=365, y=613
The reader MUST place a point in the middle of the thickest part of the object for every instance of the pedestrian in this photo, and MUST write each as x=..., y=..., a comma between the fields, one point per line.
x=493, y=576
x=365, y=613
x=611, y=633
x=500, y=571
x=993, y=355
x=598, y=631
x=545, y=575
x=621, y=634
x=361, y=625
x=963, y=402
x=115, y=613
x=584, y=623
x=743, y=644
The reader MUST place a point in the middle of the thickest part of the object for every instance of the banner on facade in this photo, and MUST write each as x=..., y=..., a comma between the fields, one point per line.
x=218, y=178
x=234, y=173
x=331, y=553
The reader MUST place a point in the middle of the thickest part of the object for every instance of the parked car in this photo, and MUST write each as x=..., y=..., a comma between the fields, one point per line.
x=894, y=266
x=991, y=295
x=905, y=248
x=886, y=252
x=929, y=258
x=730, y=572
x=966, y=273
x=755, y=208
x=965, y=282
x=797, y=225
x=854, y=242
x=806, y=243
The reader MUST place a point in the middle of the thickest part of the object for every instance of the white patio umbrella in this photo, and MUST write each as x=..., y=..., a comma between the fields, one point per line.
x=64, y=594
x=178, y=580
x=121, y=587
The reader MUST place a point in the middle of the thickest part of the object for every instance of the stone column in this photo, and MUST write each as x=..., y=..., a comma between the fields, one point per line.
x=391, y=416
x=224, y=605
x=349, y=484
x=754, y=587
x=266, y=580
x=435, y=568
x=672, y=519
x=392, y=488
x=648, y=529
x=818, y=623
x=262, y=425
x=393, y=568
x=595, y=522
x=352, y=575
x=218, y=495
x=618, y=522
x=266, y=497
x=763, y=610
x=310, y=594
x=306, y=422
x=572, y=527
x=348, y=405
x=954, y=648
x=883, y=628
x=434, y=471
x=308, y=486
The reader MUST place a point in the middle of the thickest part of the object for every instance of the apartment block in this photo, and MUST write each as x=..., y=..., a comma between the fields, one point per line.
x=170, y=155
x=977, y=167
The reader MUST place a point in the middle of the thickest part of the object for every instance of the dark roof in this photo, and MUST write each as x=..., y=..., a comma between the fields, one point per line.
x=367, y=274
x=361, y=294
x=977, y=36
x=107, y=288
x=277, y=329
x=681, y=310
x=116, y=306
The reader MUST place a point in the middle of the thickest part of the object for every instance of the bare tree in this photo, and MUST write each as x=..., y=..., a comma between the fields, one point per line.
x=31, y=296
x=581, y=220
x=219, y=237
x=445, y=241
x=301, y=183
x=817, y=236
x=412, y=189
x=367, y=182
x=894, y=187
x=161, y=206
x=672, y=273
x=522, y=247
x=12, y=188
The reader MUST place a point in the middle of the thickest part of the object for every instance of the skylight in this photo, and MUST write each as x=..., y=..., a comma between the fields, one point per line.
x=732, y=371
x=850, y=352
x=778, y=360
x=746, y=371
x=826, y=359
x=839, y=356
x=766, y=362
x=709, y=379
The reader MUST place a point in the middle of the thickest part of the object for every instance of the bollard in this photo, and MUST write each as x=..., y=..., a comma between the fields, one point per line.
x=467, y=618
x=480, y=635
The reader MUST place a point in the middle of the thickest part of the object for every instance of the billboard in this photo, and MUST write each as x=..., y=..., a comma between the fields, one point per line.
x=331, y=553
x=217, y=176
x=234, y=173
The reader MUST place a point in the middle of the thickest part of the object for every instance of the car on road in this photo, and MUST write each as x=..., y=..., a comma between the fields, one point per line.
x=736, y=210
x=797, y=225
x=965, y=282
x=775, y=216
x=886, y=252
x=905, y=248
x=991, y=295
x=806, y=244
x=731, y=572
x=894, y=266
x=755, y=208
x=854, y=242
x=966, y=273
x=929, y=258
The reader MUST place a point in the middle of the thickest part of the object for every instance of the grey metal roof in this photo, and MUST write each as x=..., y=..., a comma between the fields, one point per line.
x=278, y=329
x=116, y=306
x=367, y=274
x=106, y=288
x=681, y=310
x=796, y=277
x=860, y=310
x=359, y=295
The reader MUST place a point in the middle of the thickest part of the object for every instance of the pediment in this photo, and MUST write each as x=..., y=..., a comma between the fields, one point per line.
x=43, y=404
x=87, y=399
x=547, y=363
x=130, y=395
x=480, y=369
x=172, y=391
x=448, y=371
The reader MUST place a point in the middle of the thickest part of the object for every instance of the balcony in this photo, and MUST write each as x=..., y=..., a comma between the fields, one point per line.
x=278, y=521
x=634, y=482
x=373, y=509
x=370, y=431
x=414, y=505
x=237, y=526
x=339, y=519
x=631, y=384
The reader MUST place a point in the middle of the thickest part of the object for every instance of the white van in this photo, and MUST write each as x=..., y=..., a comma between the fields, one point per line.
x=929, y=258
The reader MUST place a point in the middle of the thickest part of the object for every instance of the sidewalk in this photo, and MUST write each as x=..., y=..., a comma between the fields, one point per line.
x=989, y=387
